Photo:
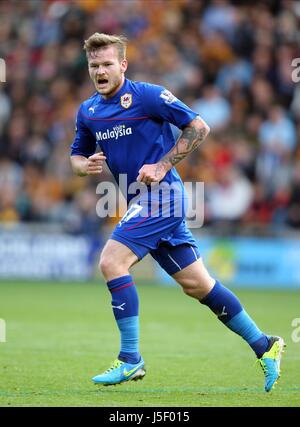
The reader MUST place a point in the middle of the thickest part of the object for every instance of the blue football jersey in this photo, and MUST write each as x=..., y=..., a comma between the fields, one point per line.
x=132, y=128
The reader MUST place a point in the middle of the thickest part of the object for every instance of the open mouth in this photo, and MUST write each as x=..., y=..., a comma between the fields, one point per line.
x=102, y=81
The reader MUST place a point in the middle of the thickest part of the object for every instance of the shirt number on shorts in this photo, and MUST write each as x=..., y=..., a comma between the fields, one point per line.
x=134, y=210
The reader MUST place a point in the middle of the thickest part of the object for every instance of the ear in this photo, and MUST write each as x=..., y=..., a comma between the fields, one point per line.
x=124, y=65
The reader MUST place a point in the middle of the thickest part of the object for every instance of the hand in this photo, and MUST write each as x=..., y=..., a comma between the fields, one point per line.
x=94, y=163
x=152, y=173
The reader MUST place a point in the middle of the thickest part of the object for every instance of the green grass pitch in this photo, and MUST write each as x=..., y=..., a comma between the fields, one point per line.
x=59, y=335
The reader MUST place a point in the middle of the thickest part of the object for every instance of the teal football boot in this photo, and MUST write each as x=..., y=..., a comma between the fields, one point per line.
x=270, y=362
x=120, y=372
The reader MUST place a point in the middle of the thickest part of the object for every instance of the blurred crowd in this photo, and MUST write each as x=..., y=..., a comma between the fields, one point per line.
x=230, y=61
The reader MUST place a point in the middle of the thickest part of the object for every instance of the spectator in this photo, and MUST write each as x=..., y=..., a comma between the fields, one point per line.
x=214, y=108
x=230, y=197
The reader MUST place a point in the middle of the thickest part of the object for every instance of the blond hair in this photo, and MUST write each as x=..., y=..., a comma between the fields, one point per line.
x=100, y=40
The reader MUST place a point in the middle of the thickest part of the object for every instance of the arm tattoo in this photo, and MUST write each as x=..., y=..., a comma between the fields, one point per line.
x=192, y=136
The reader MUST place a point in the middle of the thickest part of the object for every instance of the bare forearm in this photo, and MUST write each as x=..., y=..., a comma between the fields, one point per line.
x=192, y=136
x=79, y=165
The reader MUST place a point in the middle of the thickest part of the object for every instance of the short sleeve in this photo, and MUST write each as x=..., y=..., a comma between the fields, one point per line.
x=84, y=143
x=159, y=103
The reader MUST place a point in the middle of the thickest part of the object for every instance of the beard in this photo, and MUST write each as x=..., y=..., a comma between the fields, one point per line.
x=108, y=86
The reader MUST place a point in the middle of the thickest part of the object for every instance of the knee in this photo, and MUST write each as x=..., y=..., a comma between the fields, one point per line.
x=106, y=265
x=191, y=289
x=110, y=267
x=197, y=289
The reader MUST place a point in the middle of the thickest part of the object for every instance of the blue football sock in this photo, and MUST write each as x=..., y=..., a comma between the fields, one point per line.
x=231, y=312
x=125, y=304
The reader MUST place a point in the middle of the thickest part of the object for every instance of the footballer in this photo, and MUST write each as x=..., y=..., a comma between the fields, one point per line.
x=127, y=124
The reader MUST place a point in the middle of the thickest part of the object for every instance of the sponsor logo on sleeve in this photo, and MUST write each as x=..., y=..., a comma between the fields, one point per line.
x=168, y=96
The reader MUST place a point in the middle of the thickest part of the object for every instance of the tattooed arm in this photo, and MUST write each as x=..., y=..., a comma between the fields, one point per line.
x=192, y=136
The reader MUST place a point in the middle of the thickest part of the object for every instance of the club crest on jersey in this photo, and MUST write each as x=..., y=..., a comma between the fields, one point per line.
x=126, y=100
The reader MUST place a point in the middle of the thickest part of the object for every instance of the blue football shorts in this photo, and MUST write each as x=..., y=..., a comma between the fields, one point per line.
x=167, y=239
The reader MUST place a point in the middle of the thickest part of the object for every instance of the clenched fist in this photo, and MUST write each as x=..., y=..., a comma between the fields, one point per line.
x=152, y=173
x=92, y=165
x=95, y=163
